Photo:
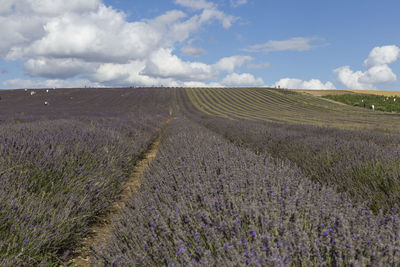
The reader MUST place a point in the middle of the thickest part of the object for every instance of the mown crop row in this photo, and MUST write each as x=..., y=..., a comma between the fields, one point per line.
x=208, y=202
x=58, y=176
x=286, y=106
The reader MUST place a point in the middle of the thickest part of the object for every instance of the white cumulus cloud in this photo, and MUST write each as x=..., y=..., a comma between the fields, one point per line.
x=378, y=71
x=92, y=38
x=61, y=68
x=58, y=83
x=241, y=80
x=378, y=74
x=87, y=41
x=164, y=64
x=314, y=84
x=53, y=7
x=351, y=79
x=382, y=55
x=230, y=63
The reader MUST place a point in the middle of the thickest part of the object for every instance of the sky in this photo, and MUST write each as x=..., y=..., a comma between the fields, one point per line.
x=297, y=44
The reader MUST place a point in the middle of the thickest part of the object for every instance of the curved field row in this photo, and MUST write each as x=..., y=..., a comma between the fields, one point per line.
x=286, y=106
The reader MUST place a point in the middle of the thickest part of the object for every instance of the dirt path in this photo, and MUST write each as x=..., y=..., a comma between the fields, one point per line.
x=99, y=233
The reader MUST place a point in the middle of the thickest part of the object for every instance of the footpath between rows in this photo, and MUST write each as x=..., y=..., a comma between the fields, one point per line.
x=99, y=233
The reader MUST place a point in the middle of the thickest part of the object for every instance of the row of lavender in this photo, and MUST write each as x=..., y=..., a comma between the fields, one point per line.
x=59, y=176
x=205, y=201
x=363, y=163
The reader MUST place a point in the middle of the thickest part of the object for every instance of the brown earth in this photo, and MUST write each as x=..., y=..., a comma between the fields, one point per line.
x=384, y=93
x=324, y=92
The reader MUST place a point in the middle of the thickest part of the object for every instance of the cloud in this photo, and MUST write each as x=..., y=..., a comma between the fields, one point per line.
x=293, y=44
x=23, y=20
x=365, y=80
x=193, y=51
x=291, y=83
x=378, y=74
x=210, y=14
x=93, y=37
x=264, y=65
x=382, y=55
x=4, y=71
x=47, y=7
x=53, y=7
x=72, y=43
x=21, y=83
x=378, y=71
x=236, y=3
x=5, y=6
x=195, y=4
x=230, y=63
x=240, y=80
x=350, y=79
x=57, y=68
x=164, y=64
x=199, y=84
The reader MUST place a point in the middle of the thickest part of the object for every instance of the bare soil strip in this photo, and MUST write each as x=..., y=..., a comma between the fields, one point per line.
x=324, y=92
x=99, y=233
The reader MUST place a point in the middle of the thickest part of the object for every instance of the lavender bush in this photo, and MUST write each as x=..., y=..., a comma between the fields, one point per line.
x=58, y=176
x=364, y=163
x=205, y=201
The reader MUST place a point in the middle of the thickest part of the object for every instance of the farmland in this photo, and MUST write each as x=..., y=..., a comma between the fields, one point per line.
x=242, y=176
x=62, y=165
x=380, y=102
x=342, y=92
x=287, y=106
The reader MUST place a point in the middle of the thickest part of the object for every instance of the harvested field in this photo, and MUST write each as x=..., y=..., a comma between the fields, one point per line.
x=278, y=105
x=323, y=92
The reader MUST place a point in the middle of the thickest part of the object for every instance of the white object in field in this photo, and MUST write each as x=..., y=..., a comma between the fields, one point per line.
x=373, y=107
x=394, y=100
x=46, y=103
x=26, y=90
x=362, y=100
x=54, y=88
x=47, y=90
x=33, y=92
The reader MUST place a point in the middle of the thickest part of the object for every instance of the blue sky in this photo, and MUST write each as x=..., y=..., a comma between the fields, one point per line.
x=310, y=44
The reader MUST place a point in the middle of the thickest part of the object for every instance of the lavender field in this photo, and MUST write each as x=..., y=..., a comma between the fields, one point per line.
x=62, y=165
x=231, y=185
x=208, y=202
